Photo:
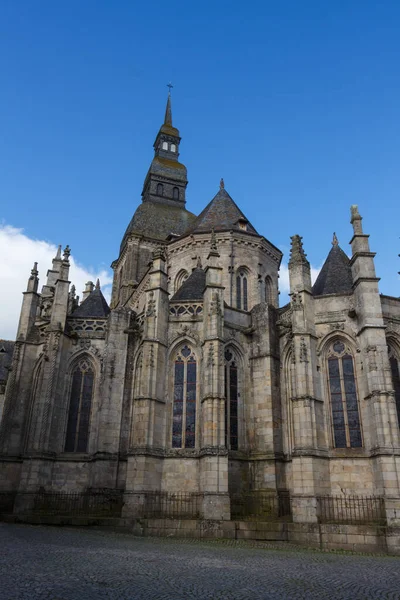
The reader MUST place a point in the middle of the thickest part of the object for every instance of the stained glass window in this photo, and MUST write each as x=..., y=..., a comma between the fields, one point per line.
x=79, y=407
x=231, y=406
x=343, y=394
x=184, y=401
x=241, y=290
x=395, y=368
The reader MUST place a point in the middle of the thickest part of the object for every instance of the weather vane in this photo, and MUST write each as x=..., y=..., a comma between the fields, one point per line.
x=170, y=86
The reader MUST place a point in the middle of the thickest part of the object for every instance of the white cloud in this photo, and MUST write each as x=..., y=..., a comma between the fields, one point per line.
x=284, y=286
x=18, y=252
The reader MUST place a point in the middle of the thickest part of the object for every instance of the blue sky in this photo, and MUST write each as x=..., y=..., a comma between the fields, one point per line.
x=294, y=103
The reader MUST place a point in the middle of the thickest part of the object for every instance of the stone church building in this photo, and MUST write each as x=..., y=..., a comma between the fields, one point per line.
x=193, y=379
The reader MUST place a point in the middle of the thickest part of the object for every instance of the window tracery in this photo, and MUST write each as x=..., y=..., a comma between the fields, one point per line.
x=343, y=396
x=180, y=279
x=231, y=405
x=82, y=385
x=184, y=399
x=395, y=369
x=242, y=289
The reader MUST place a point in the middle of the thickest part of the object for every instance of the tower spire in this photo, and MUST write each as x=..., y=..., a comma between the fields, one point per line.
x=168, y=109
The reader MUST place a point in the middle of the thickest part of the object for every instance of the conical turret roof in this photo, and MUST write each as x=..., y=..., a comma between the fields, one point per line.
x=221, y=214
x=192, y=288
x=95, y=305
x=335, y=276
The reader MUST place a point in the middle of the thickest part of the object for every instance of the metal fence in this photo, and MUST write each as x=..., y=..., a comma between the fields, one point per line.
x=263, y=506
x=351, y=509
x=106, y=503
x=179, y=505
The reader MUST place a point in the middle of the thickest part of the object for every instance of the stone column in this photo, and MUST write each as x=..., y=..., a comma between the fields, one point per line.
x=214, y=455
x=385, y=443
x=310, y=473
x=147, y=442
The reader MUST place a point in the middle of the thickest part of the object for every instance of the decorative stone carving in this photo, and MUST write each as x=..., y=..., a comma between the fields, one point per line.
x=151, y=306
x=215, y=305
x=297, y=302
x=193, y=309
x=303, y=350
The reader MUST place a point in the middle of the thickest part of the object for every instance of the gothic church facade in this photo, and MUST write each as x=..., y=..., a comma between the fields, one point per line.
x=193, y=379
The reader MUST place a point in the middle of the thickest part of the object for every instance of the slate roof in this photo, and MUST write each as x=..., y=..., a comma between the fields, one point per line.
x=6, y=353
x=158, y=221
x=95, y=305
x=192, y=288
x=221, y=214
x=335, y=276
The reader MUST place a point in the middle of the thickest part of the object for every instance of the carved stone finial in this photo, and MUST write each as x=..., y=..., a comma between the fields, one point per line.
x=213, y=240
x=221, y=184
x=58, y=255
x=198, y=265
x=35, y=271
x=67, y=252
x=356, y=219
x=159, y=253
x=297, y=254
x=98, y=284
x=335, y=241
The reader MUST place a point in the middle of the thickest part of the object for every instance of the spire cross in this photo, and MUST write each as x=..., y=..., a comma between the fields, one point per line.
x=169, y=86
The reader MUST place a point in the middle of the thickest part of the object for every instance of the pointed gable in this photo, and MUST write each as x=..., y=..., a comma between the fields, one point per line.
x=192, y=288
x=335, y=276
x=222, y=213
x=95, y=305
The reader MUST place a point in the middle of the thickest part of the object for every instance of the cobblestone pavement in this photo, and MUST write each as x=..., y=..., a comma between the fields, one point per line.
x=71, y=564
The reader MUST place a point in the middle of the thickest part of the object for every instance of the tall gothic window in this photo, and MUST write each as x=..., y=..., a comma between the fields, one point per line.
x=268, y=290
x=79, y=407
x=160, y=189
x=241, y=289
x=395, y=368
x=231, y=406
x=343, y=394
x=185, y=396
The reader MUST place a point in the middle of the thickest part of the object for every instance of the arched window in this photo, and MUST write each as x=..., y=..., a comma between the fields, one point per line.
x=241, y=289
x=395, y=368
x=231, y=406
x=269, y=295
x=79, y=407
x=343, y=395
x=160, y=189
x=180, y=279
x=176, y=193
x=173, y=148
x=165, y=145
x=185, y=397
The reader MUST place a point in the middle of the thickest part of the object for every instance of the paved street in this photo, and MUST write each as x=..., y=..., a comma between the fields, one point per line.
x=67, y=563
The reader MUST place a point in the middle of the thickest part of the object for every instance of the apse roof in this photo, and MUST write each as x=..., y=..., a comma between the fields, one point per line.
x=222, y=213
x=335, y=276
x=95, y=305
x=192, y=288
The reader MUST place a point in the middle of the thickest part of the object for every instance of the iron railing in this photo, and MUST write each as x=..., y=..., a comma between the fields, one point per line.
x=104, y=503
x=351, y=509
x=263, y=506
x=173, y=505
x=92, y=503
